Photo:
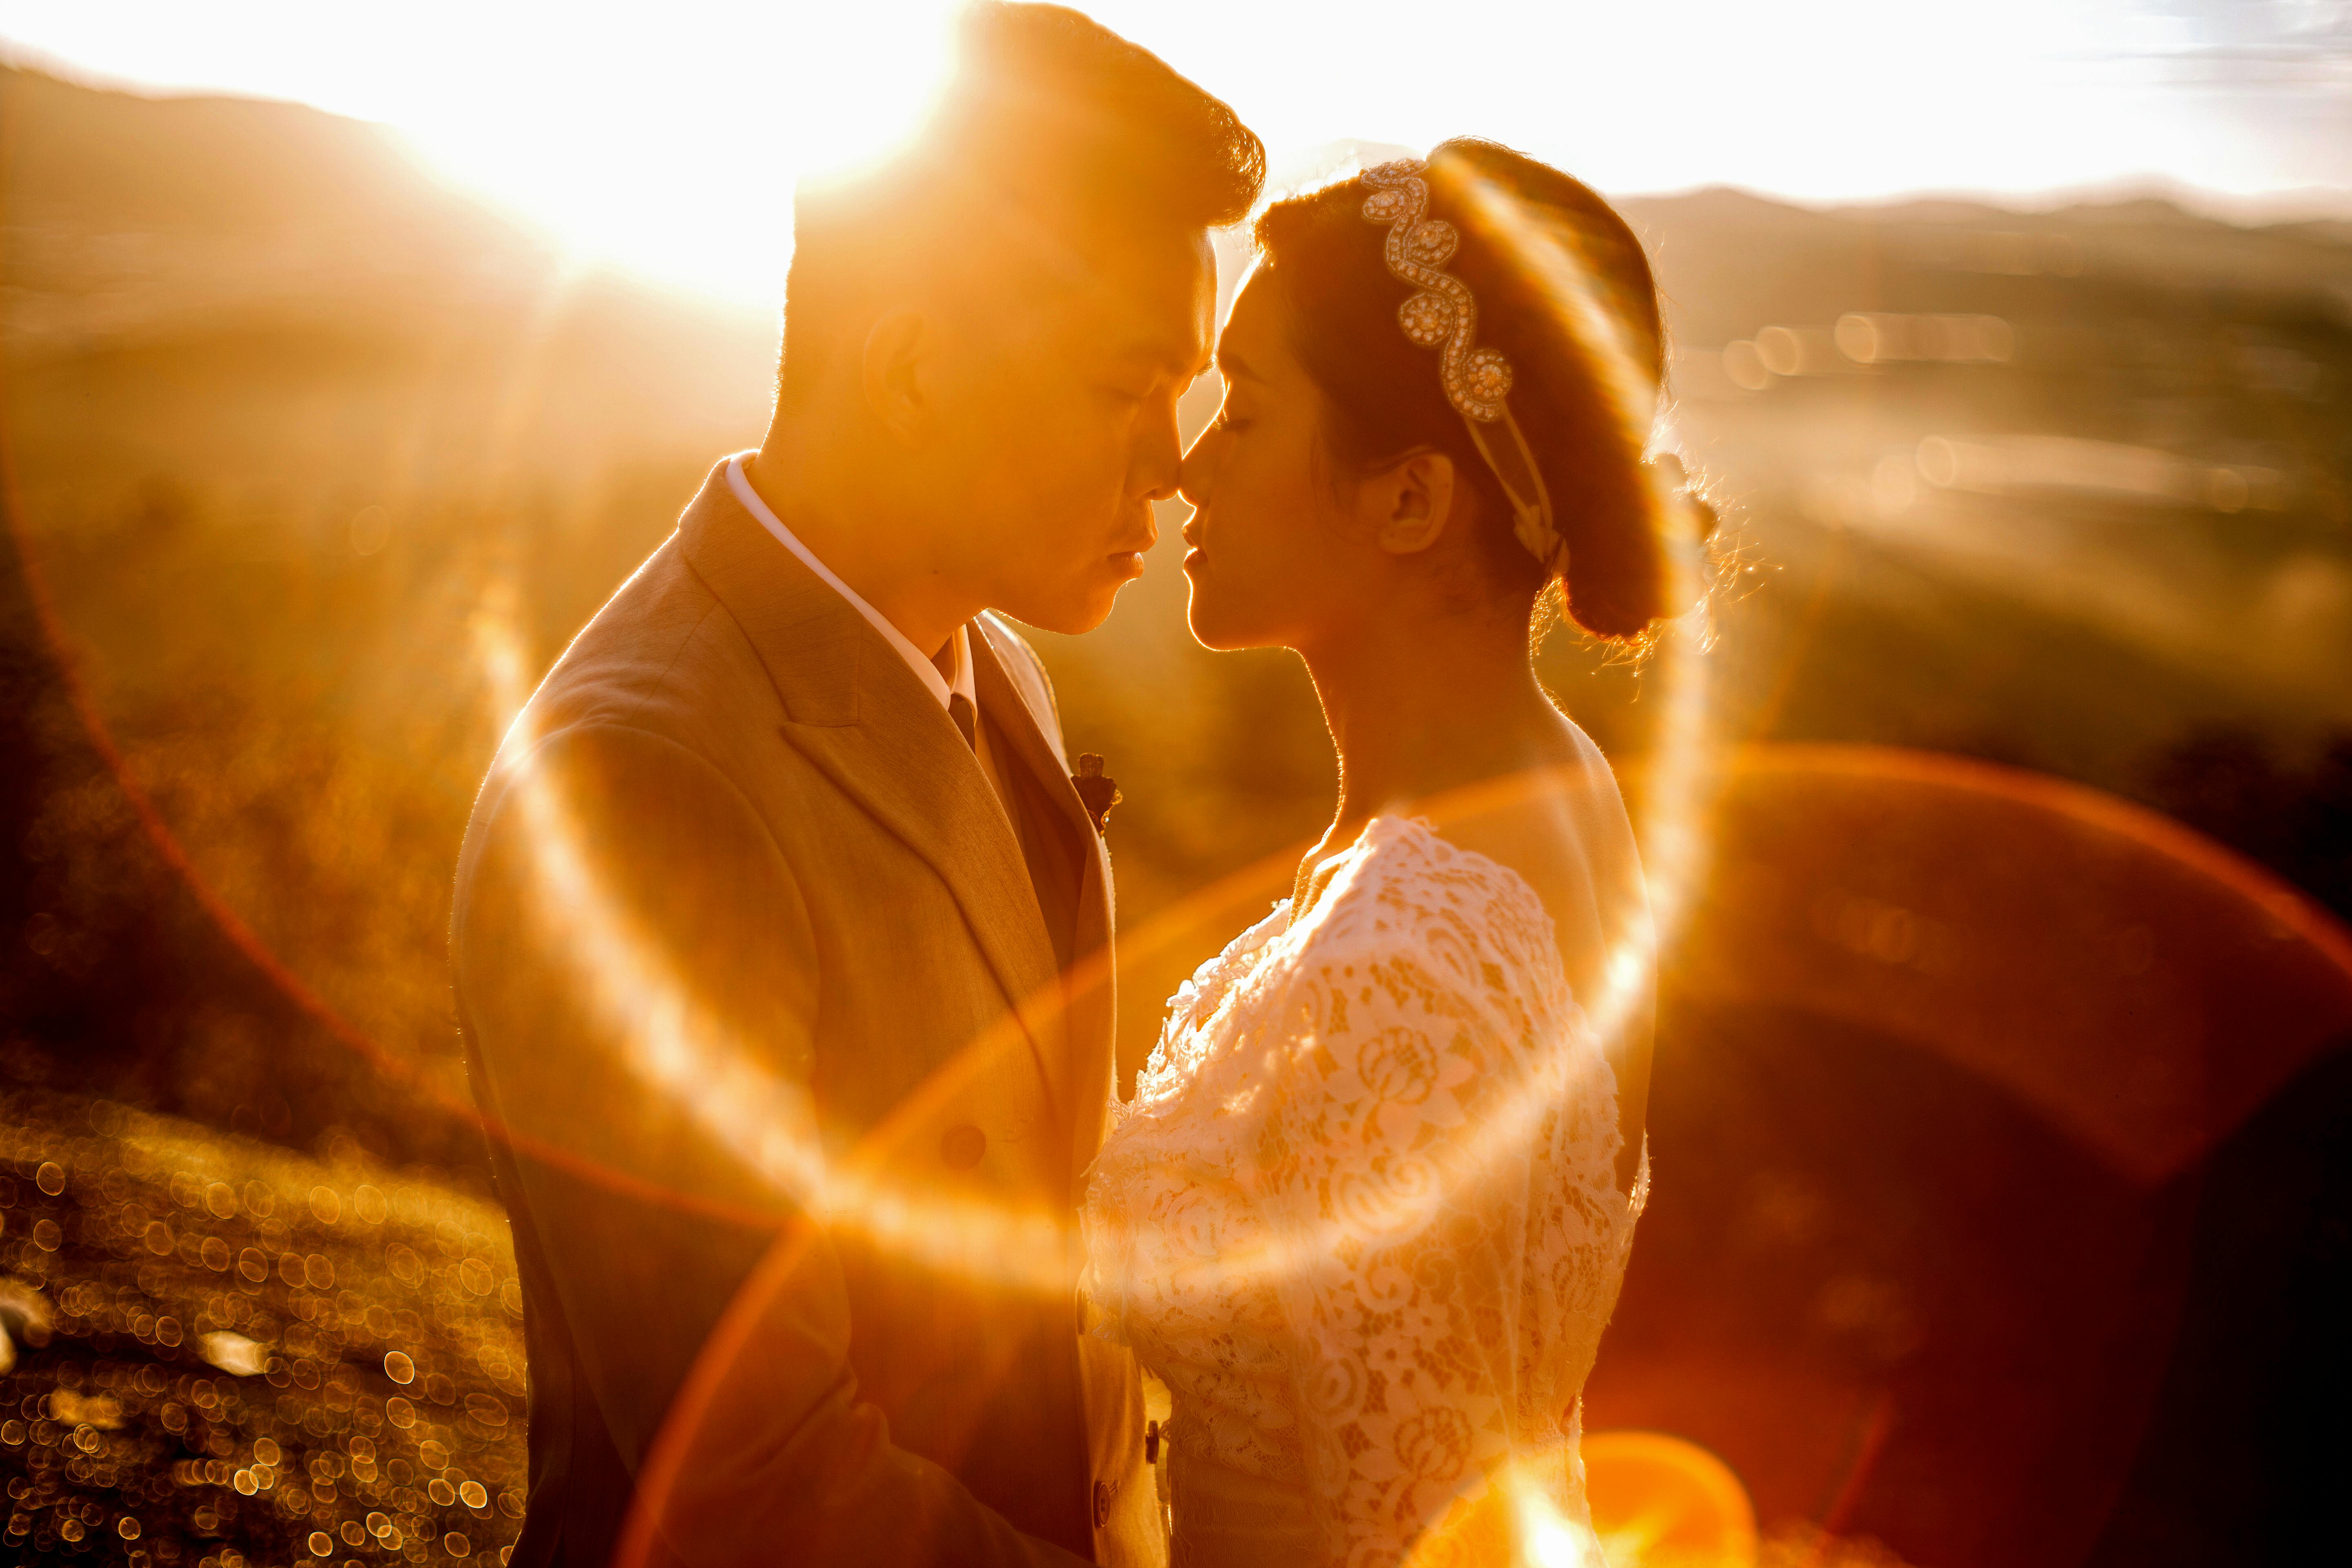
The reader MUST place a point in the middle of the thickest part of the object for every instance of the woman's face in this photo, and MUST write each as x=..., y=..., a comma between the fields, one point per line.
x=1268, y=561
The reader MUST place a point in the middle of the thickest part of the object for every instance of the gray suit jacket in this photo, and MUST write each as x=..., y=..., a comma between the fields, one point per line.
x=735, y=895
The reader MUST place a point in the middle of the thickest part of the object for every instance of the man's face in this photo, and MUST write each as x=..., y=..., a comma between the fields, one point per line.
x=1060, y=428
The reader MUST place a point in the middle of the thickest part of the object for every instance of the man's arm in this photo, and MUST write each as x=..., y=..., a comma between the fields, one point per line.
x=637, y=967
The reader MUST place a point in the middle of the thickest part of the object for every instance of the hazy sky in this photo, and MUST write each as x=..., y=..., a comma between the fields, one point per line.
x=667, y=132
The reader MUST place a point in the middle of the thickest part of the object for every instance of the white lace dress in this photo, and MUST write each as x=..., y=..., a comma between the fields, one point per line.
x=1363, y=1218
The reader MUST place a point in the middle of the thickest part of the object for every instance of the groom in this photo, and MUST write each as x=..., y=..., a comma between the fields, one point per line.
x=781, y=871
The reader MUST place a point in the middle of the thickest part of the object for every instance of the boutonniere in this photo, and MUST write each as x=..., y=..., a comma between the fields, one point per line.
x=1096, y=791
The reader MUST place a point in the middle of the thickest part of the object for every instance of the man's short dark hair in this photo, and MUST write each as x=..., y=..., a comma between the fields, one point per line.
x=1049, y=118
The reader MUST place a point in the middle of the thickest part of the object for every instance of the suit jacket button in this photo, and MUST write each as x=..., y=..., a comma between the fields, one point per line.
x=962, y=1146
x=1104, y=1492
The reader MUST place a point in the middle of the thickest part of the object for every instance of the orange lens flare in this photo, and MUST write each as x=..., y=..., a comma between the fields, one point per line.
x=1661, y=1501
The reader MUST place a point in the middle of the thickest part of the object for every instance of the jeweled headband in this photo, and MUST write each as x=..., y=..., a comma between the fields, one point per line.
x=1444, y=315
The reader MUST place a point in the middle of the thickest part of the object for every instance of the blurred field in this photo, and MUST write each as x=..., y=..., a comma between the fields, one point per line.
x=252, y=1356
x=300, y=442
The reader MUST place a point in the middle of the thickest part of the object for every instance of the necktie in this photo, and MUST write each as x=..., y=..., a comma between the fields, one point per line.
x=966, y=722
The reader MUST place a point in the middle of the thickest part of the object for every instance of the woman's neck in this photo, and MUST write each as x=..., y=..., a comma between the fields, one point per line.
x=1417, y=709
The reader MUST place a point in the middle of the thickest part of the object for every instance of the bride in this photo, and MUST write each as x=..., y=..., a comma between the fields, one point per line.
x=1369, y=1208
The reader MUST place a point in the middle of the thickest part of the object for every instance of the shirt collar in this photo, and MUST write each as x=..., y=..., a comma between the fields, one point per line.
x=940, y=686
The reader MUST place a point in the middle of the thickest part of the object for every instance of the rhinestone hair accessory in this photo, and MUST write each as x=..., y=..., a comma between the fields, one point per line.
x=1443, y=315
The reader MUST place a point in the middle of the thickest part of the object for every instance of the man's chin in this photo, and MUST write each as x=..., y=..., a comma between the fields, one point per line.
x=1070, y=614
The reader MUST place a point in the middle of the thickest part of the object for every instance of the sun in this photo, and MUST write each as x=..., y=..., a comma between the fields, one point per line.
x=674, y=150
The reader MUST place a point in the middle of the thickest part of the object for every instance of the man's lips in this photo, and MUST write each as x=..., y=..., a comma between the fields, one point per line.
x=1129, y=556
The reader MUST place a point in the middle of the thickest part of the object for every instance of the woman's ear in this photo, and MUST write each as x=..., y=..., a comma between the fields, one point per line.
x=1412, y=502
x=894, y=372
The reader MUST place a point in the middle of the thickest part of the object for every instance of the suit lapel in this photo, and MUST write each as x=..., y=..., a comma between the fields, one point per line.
x=861, y=716
x=1091, y=998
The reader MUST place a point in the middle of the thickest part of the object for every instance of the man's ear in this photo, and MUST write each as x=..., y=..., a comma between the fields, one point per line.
x=1414, y=501
x=896, y=377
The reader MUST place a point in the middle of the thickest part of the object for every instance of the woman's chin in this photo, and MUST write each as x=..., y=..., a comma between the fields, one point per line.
x=1216, y=633
x=1201, y=619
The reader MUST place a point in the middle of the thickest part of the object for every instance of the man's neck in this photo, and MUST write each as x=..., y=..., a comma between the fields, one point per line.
x=866, y=539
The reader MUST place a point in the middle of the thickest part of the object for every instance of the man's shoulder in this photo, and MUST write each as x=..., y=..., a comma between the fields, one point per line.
x=663, y=654
x=662, y=660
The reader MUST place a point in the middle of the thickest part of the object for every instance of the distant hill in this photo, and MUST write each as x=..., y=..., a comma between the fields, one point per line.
x=106, y=162
x=143, y=229
x=128, y=216
x=1731, y=261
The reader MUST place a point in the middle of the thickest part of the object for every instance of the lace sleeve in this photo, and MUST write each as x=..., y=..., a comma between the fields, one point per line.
x=1418, y=1167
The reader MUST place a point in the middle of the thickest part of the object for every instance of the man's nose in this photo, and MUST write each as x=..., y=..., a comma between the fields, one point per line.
x=1161, y=459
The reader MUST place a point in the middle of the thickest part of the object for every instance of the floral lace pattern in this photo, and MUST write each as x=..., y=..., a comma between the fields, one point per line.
x=1361, y=1214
